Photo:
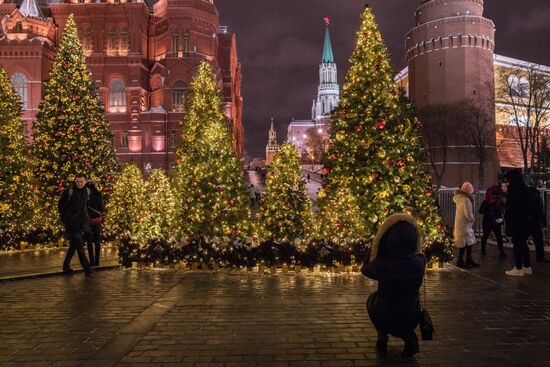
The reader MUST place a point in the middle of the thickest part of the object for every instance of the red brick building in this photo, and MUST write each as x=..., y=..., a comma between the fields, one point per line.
x=142, y=56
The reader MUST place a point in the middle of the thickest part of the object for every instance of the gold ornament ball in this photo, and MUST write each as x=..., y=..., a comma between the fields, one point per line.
x=373, y=218
x=322, y=194
x=407, y=189
x=367, y=180
x=340, y=135
x=396, y=179
x=381, y=154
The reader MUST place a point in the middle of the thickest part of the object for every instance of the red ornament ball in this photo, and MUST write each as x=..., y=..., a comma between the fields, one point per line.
x=429, y=192
x=358, y=128
x=390, y=162
x=326, y=170
x=380, y=124
x=231, y=202
x=400, y=163
x=334, y=155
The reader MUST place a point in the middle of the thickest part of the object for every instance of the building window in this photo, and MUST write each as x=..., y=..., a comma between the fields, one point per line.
x=523, y=87
x=112, y=44
x=124, y=45
x=186, y=43
x=19, y=82
x=87, y=44
x=513, y=85
x=175, y=43
x=178, y=96
x=172, y=138
x=117, y=96
x=520, y=120
x=18, y=28
x=124, y=139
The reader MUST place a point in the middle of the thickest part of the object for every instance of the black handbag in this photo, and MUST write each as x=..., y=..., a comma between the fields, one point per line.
x=425, y=323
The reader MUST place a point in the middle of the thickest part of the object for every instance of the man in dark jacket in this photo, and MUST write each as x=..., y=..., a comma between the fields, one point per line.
x=73, y=210
x=397, y=262
x=517, y=223
x=93, y=235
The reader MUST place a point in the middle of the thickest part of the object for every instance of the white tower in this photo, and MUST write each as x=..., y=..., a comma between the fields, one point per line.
x=328, y=93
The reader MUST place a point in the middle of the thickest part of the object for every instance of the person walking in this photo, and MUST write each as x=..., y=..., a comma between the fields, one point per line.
x=492, y=209
x=396, y=261
x=93, y=235
x=516, y=217
x=252, y=194
x=308, y=178
x=73, y=211
x=464, y=236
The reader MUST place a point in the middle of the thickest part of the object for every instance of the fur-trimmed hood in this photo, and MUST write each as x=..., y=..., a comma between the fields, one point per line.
x=390, y=222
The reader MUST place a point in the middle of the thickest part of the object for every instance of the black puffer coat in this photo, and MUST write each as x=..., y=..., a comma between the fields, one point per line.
x=517, y=213
x=95, y=203
x=398, y=264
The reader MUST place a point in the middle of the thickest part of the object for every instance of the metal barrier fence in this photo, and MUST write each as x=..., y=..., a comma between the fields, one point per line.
x=448, y=207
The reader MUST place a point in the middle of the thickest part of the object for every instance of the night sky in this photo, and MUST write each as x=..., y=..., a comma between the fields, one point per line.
x=280, y=48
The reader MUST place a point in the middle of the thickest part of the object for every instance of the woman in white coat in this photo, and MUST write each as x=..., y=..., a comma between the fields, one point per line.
x=464, y=236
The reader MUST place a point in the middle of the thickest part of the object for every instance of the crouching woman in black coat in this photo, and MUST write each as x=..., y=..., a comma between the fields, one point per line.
x=397, y=262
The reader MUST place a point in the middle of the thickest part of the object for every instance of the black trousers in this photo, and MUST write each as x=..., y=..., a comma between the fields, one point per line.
x=93, y=241
x=76, y=240
x=538, y=239
x=521, y=252
x=489, y=227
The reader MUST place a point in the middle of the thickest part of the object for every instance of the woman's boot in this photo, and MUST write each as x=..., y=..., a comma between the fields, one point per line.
x=469, y=261
x=382, y=344
x=460, y=261
x=411, y=345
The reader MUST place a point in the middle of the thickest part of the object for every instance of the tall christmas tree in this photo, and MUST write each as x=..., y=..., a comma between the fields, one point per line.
x=212, y=198
x=375, y=148
x=17, y=195
x=72, y=134
x=127, y=208
x=285, y=211
x=161, y=205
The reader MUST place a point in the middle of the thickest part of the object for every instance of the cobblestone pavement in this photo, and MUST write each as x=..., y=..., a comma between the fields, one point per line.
x=231, y=318
x=46, y=261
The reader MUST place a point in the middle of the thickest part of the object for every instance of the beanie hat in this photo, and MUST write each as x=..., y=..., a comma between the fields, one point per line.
x=467, y=188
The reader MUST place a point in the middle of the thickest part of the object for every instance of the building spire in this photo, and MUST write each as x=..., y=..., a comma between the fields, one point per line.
x=328, y=57
x=29, y=8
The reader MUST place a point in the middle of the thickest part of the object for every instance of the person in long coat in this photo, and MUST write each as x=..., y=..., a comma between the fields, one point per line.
x=464, y=236
x=517, y=219
x=396, y=261
x=93, y=235
x=492, y=209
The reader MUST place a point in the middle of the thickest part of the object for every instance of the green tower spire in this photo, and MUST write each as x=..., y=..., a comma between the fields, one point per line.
x=328, y=57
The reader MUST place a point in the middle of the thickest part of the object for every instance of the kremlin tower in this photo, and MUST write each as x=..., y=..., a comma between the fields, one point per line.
x=450, y=61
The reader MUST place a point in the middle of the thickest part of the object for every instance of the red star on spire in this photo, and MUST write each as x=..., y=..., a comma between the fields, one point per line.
x=327, y=20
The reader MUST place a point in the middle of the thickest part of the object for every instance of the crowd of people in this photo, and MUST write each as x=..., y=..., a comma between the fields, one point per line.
x=512, y=205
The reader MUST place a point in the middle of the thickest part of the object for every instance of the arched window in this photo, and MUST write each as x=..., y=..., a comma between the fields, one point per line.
x=513, y=85
x=523, y=87
x=87, y=44
x=117, y=96
x=178, y=96
x=19, y=82
x=124, y=45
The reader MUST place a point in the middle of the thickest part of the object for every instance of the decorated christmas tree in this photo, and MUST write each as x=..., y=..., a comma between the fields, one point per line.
x=339, y=215
x=211, y=197
x=71, y=132
x=285, y=210
x=17, y=195
x=127, y=208
x=375, y=148
x=161, y=203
